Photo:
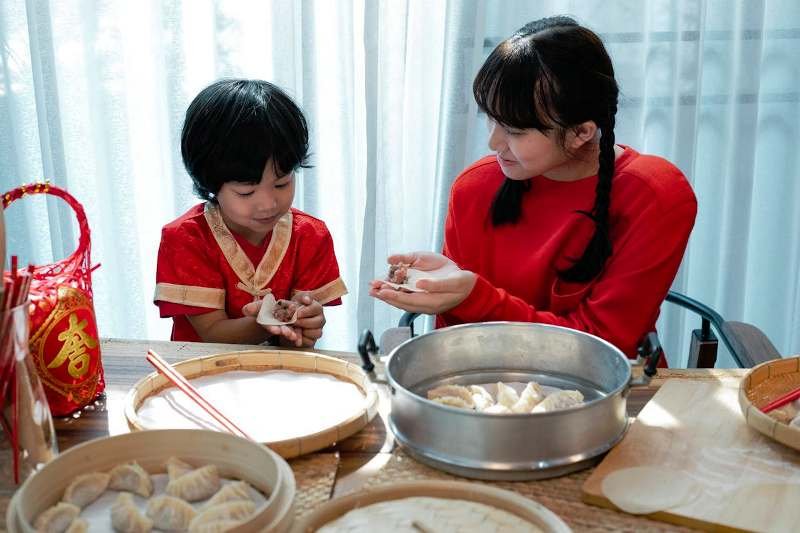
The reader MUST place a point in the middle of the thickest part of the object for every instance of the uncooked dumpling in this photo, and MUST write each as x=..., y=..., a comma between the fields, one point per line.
x=197, y=485
x=176, y=468
x=452, y=391
x=530, y=397
x=481, y=397
x=506, y=395
x=237, y=510
x=86, y=488
x=562, y=399
x=126, y=518
x=216, y=527
x=452, y=401
x=79, y=525
x=497, y=409
x=57, y=518
x=170, y=513
x=238, y=490
x=131, y=477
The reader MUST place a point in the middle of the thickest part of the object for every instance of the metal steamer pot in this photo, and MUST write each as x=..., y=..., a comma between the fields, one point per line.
x=511, y=446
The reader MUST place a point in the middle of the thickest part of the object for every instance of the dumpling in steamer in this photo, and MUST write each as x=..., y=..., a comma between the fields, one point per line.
x=57, y=518
x=238, y=511
x=176, y=468
x=86, y=488
x=530, y=397
x=79, y=525
x=497, y=409
x=453, y=395
x=126, y=518
x=506, y=395
x=239, y=490
x=198, y=484
x=131, y=477
x=170, y=513
x=481, y=397
x=562, y=399
x=216, y=527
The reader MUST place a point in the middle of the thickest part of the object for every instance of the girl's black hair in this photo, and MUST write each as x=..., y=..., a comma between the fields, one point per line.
x=554, y=74
x=233, y=127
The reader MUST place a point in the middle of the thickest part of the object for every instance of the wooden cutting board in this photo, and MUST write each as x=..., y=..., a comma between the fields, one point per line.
x=747, y=481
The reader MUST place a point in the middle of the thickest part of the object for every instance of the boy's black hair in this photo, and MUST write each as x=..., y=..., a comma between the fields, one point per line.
x=233, y=127
x=554, y=74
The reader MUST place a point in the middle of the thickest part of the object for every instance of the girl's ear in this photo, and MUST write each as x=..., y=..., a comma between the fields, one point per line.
x=582, y=133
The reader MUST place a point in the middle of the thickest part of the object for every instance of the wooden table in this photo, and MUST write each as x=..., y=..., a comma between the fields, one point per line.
x=360, y=455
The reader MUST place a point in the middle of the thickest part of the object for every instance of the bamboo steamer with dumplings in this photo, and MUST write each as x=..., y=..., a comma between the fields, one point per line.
x=235, y=458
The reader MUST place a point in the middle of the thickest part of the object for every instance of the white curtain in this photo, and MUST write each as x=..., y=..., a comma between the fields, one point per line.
x=92, y=96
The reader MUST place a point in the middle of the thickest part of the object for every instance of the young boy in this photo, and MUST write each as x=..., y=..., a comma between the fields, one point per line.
x=242, y=141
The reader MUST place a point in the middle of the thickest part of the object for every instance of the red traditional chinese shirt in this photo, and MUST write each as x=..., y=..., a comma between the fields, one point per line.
x=651, y=215
x=203, y=266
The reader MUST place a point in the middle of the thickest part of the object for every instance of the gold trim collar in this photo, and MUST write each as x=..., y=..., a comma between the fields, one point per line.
x=253, y=280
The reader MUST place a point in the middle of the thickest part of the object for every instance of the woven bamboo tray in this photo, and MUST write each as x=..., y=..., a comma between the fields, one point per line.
x=529, y=510
x=236, y=458
x=266, y=360
x=763, y=384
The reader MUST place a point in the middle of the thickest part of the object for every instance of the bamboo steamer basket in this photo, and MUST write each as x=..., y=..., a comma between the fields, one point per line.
x=265, y=360
x=763, y=384
x=535, y=513
x=237, y=458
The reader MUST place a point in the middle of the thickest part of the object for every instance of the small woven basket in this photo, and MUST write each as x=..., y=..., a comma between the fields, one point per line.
x=763, y=384
x=63, y=329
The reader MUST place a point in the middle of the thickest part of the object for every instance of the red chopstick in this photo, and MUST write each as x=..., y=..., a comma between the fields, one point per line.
x=183, y=384
x=781, y=401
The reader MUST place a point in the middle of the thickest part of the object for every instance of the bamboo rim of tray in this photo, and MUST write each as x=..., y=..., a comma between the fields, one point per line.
x=264, y=360
x=524, y=508
x=763, y=384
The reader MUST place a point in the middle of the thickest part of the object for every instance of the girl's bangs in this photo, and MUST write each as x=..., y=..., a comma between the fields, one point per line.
x=515, y=91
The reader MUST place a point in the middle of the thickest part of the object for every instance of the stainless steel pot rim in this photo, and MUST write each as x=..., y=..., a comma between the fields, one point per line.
x=451, y=409
x=499, y=466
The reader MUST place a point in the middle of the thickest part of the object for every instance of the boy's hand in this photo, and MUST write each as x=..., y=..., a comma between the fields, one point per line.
x=310, y=320
x=306, y=329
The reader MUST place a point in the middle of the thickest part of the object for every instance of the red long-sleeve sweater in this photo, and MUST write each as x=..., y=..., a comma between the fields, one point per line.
x=651, y=215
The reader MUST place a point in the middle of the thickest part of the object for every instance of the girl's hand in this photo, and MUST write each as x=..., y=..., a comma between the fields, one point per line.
x=443, y=293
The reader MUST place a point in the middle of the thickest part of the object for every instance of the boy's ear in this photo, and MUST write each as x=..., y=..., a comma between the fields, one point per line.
x=582, y=133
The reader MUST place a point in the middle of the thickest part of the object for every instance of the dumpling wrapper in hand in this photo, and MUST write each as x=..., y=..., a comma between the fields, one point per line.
x=265, y=314
x=414, y=275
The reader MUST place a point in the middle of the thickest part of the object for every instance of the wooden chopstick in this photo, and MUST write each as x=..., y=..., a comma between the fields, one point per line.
x=183, y=384
x=781, y=400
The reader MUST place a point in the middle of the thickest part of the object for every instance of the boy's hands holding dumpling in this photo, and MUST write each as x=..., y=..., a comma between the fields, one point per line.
x=305, y=330
x=310, y=320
